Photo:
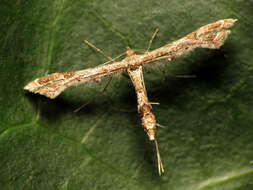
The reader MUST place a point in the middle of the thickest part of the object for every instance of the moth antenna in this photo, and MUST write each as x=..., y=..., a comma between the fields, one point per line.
x=82, y=106
x=99, y=50
x=159, y=160
x=103, y=53
x=151, y=40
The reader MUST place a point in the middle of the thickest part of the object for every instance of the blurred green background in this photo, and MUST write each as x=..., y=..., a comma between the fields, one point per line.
x=207, y=139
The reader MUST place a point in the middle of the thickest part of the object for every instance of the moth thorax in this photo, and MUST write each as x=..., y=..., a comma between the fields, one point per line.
x=130, y=52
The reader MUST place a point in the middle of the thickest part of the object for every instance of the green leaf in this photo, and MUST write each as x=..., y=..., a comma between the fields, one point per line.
x=207, y=142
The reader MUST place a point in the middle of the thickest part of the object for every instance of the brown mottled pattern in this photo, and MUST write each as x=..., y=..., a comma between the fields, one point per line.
x=47, y=78
x=211, y=36
x=69, y=74
x=208, y=36
x=52, y=77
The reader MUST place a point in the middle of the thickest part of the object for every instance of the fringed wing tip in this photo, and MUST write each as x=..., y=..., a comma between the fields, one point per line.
x=230, y=22
x=32, y=87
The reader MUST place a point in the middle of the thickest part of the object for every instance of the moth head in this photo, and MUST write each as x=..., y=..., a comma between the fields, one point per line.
x=130, y=52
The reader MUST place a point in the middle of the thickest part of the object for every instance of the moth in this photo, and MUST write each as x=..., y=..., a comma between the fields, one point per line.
x=210, y=36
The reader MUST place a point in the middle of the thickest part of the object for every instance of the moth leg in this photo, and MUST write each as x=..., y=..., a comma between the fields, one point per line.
x=91, y=100
x=182, y=76
x=107, y=84
x=171, y=75
x=154, y=103
x=82, y=106
x=159, y=125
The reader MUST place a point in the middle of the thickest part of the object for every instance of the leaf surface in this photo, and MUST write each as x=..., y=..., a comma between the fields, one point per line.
x=207, y=140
